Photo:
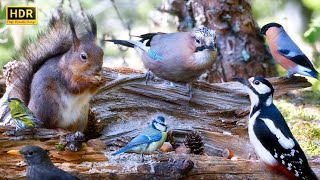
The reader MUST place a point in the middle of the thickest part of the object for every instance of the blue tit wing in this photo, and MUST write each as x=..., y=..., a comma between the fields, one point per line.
x=139, y=140
x=287, y=48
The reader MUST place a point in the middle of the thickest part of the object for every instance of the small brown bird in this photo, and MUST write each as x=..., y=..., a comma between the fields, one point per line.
x=39, y=165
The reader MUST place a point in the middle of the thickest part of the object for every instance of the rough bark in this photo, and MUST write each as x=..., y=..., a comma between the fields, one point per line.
x=241, y=48
x=125, y=105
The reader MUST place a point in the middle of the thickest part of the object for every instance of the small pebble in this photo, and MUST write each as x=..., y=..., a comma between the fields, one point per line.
x=183, y=150
x=227, y=153
x=166, y=147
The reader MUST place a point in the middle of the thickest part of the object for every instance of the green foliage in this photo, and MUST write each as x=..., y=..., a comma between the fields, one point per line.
x=313, y=33
x=312, y=4
x=262, y=9
x=6, y=49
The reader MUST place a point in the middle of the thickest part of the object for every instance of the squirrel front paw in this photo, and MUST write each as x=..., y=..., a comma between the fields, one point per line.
x=99, y=80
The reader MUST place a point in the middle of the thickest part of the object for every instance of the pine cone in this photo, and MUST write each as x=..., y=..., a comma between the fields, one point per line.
x=92, y=131
x=10, y=71
x=193, y=141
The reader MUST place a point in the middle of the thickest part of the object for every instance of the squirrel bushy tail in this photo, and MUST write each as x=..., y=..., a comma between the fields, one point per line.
x=52, y=42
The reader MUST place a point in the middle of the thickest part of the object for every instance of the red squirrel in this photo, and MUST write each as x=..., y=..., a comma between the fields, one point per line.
x=61, y=73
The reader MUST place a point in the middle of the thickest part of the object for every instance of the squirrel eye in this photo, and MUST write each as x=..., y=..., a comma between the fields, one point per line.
x=256, y=82
x=83, y=56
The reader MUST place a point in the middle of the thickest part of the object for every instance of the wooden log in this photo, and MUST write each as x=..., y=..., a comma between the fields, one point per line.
x=124, y=106
x=219, y=111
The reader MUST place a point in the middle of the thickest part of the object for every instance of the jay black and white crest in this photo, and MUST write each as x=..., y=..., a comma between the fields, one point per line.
x=205, y=38
x=270, y=135
x=160, y=123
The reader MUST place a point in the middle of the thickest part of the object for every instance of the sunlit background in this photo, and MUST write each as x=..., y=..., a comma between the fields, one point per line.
x=122, y=18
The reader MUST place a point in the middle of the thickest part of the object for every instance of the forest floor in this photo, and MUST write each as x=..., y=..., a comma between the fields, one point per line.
x=301, y=109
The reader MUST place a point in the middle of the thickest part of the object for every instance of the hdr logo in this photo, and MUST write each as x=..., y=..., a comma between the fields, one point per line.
x=23, y=15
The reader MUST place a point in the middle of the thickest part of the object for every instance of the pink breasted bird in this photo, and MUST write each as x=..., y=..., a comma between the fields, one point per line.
x=286, y=52
x=179, y=57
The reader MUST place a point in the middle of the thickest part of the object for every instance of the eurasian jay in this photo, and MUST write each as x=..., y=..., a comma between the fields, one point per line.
x=286, y=52
x=177, y=57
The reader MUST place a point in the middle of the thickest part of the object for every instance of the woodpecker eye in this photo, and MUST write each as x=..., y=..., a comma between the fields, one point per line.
x=83, y=56
x=30, y=152
x=198, y=41
x=256, y=82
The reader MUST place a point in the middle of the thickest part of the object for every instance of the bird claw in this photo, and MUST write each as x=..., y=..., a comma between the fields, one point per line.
x=289, y=75
x=142, y=158
x=190, y=90
x=149, y=76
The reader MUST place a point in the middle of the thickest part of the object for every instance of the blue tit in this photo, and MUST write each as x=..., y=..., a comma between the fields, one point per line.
x=150, y=139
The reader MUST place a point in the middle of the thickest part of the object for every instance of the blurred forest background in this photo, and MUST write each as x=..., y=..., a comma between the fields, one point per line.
x=122, y=18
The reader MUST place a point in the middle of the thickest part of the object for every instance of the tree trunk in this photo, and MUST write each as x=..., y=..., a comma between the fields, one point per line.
x=241, y=48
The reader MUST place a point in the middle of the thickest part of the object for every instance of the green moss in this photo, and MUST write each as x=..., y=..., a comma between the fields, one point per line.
x=60, y=147
x=303, y=120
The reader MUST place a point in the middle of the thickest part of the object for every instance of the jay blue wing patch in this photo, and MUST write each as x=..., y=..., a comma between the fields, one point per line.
x=291, y=158
x=154, y=55
x=300, y=59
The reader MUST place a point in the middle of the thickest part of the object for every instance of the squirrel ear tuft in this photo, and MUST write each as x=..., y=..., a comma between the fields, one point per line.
x=52, y=22
x=93, y=25
x=75, y=39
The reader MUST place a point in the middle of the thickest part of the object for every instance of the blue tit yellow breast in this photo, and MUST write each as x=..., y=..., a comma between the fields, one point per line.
x=156, y=145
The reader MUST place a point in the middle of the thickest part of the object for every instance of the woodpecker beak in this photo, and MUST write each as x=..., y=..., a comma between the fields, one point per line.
x=242, y=81
x=14, y=152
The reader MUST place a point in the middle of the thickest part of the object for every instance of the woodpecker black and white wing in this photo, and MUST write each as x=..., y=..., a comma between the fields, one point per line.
x=275, y=136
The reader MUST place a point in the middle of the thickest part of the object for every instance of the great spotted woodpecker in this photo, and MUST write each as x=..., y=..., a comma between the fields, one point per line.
x=270, y=135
